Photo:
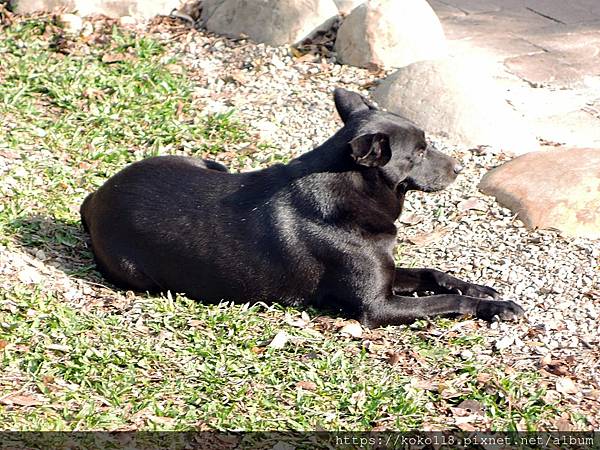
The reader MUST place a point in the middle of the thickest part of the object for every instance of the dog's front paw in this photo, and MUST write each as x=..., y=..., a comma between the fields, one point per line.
x=505, y=310
x=477, y=290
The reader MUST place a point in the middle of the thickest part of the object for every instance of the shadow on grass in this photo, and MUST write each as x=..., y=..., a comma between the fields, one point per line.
x=64, y=244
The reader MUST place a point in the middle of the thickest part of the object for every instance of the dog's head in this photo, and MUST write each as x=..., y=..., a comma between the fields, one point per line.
x=394, y=144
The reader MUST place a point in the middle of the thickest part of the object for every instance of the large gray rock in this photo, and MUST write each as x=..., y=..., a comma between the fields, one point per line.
x=141, y=9
x=456, y=98
x=274, y=22
x=390, y=33
x=551, y=189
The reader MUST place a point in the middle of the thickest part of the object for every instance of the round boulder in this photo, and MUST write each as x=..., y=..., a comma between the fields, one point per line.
x=274, y=22
x=557, y=189
x=390, y=33
x=456, y=98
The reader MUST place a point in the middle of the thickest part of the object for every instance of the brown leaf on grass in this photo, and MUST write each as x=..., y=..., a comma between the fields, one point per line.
x=306, y=385
x=111, y=58
x=448, y=393
x=22, y=400
x=545, y=360
x=3, y=344
x=352, y=328
x=167, y=421
x=423, y=239
x=393, y=358
x=483, y=377
x=9, y=154
x=425, y=385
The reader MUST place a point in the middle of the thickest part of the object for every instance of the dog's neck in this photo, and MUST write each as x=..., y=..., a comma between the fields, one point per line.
x=346, y=184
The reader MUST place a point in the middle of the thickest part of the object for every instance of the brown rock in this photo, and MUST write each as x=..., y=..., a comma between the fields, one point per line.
x=551, y=189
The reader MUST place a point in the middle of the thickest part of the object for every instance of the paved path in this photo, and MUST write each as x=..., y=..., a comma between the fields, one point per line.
x=545, y=52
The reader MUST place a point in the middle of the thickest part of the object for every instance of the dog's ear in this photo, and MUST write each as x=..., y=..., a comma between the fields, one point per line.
x=348, y=103
x=371, y=150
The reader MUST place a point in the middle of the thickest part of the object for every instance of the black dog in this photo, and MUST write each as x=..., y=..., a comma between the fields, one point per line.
x=319, y=230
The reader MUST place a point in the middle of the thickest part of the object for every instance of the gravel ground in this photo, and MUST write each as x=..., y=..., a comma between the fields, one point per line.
x=288, y=101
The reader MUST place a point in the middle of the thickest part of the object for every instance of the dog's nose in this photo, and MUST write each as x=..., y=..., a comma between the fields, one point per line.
x=458, y=168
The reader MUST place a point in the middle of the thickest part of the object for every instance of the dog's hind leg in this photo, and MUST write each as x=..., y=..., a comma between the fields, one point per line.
x=397, y=310
x=408, y=281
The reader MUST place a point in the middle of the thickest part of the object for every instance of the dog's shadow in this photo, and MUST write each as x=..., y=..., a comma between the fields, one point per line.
x=65, y=245
x=60, y=243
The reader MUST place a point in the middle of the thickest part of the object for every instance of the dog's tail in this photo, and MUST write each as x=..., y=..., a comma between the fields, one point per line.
x=83, y=211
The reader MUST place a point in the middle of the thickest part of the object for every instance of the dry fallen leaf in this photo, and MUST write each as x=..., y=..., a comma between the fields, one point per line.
x=563, y=424
x=162, y=420
x=279, y=340
x=551, y=397
x=8, y=154
x=410, y=219
x=466, y=426
x=557, y=367
x=3, y=344
x=358, y=399
x=545, y=360
x=110, y=58
x=423, y=239
x=593, y=394
x=352, y=328
x=565, y=385
x=393, y=358
x=472, y=203
x=306, y=385
x=484, y=377
x=425, y=385
x=21, y=400
x=59, y=347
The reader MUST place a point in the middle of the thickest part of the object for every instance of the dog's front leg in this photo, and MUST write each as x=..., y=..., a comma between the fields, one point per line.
x=397, y=310
x=408, y=281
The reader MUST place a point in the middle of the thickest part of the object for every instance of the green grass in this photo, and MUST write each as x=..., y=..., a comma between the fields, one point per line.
x=93, y=357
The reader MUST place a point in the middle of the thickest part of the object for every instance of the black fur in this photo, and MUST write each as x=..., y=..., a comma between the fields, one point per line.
x=319, y=230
